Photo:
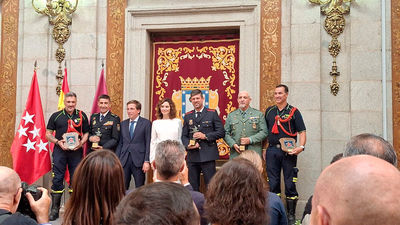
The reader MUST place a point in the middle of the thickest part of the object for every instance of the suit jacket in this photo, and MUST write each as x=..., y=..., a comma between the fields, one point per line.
x=138, y=146
x=198, y=199
x=109, y=129
x=253, y=125
x=208, y=123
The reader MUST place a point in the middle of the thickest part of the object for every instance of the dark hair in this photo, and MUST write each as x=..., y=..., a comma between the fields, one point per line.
x=337, y=157
x=159, y=203
x=70, y=94
x=169, y=158
x=239, y=187
x=104, y=97
x=137, y=104
x=284, y=86
x=195, y=92
x=172, y=112
x=371, y=144
x=98, y=188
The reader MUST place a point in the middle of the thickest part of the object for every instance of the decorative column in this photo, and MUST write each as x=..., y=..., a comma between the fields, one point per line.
x=270, y=60
x=8, y=77
x=115, y=53
x=395, y=20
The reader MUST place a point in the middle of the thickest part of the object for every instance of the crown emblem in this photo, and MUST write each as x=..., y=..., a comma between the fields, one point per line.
x=195, y=83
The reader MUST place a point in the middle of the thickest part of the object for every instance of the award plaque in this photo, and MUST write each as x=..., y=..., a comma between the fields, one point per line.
x=193, y=130
x=71, y=140
x=242, y=147
x=98, y=134
x=287, y=144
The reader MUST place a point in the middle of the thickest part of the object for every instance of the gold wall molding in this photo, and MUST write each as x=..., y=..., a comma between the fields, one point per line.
x=395, y=25
x=8, y=76
x=270, y=59
x=115, y=53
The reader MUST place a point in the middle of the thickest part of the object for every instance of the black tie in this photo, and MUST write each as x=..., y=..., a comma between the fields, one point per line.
x=101, y=117
x=198, y=114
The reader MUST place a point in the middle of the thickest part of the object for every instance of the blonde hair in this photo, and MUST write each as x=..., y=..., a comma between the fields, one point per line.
x=254, y=158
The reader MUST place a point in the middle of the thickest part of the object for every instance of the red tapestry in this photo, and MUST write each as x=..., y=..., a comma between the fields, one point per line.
x=211, y=66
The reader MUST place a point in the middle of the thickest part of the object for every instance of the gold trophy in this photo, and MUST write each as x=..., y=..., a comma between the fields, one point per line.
x=98, y=134
x=242, y=146
x=193, y=130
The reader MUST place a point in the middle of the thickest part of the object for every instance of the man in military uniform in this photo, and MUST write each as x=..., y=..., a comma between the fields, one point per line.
x=67, y=121
x=245, y=128
x=284, y=122
x=202, y=127
x=104, y=126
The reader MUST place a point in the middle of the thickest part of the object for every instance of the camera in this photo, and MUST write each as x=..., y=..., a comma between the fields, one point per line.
x=24, y=207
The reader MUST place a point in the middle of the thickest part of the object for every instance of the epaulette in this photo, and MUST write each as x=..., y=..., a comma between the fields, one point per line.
x=189, y=112
x=114, y=115
x=95, y=114
x=211, y=110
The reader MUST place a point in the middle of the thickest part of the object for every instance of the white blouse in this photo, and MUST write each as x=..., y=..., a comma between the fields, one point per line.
x=162, y=130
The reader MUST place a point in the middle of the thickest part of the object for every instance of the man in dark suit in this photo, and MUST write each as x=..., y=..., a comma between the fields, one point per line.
x=169, y=163
x=134, y=145
x=104, y=126
x=202, y=127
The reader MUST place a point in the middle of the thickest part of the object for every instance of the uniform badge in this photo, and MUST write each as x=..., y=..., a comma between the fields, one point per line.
x=109, y=123
x=190, y=122
x=94, y=122
x=254, y=126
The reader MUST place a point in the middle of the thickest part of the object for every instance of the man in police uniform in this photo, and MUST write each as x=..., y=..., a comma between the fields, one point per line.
x=104, y=126
x=68, y=120
x=245, y=127
x=202, y=127
x=284, y=121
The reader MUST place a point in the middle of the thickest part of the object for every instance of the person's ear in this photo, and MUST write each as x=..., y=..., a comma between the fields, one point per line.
x=17, y=198
x=323, y=216
x=182, y=167
x=154, y=164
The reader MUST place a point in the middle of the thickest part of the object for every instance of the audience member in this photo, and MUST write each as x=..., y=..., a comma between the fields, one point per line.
x=10, y=195
x=357, y=190
x=98, y=188
x=371, y=144
x=159, y=203
x=236, y=195
x=170, y=165
x=276, y=209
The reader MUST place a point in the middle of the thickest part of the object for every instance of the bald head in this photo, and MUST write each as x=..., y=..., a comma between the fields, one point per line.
x=244, y=100
x=357, y=190
x=9, y=184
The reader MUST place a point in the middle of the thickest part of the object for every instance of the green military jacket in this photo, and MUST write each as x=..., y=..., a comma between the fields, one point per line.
x=252, y=125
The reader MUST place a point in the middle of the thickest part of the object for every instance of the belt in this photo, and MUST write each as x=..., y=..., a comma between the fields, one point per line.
x=277, y=145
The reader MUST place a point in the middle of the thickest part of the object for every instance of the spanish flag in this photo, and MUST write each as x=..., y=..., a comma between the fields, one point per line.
x=64, y=90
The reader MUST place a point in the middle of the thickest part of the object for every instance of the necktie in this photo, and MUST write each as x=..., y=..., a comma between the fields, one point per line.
x=101, y=117
x=131, y=127
x=243, y=114
x=198, y=114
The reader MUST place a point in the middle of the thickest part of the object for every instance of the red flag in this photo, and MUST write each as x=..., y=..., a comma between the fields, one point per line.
x=101, y=90
x=30, y=149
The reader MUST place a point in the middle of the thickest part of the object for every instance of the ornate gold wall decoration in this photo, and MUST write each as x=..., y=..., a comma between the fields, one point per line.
x=115, y=53
x=60, y=16
x=334, y=26
x=395, y=20
x=8, y=77
x=270, y=63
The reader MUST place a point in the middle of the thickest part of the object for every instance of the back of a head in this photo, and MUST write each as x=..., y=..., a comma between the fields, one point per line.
x=253, y=157
x=98, y=185
x=239, y=187
x=169, y=158
x=9, y=183
x=160, y=203
x=358, y=190
x=371, y=144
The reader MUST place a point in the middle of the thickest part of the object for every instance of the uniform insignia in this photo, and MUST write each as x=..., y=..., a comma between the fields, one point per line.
x=254, y=126
x=109, y=123
x=190, y=122
x=118, y=127
x=211, y=110
x=189, y=112
x=94, y=122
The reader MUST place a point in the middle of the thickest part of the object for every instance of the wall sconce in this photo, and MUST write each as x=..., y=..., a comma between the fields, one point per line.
x=334, y=26
x=60, y=16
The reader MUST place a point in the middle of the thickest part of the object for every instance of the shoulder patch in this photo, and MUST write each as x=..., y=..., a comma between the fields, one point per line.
x=211, y=110
x=189, y=112
x=114, y=115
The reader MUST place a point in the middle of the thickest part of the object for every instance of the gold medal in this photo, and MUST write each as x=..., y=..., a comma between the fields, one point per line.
x=190, y=122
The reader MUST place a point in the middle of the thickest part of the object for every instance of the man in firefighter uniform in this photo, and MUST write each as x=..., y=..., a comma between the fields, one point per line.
x=284, y=123
x=67, y=149
x=104, y=126
x=245, y=127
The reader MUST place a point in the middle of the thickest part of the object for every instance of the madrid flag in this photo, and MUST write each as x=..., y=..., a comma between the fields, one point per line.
x=30, y=149
x=101, y=90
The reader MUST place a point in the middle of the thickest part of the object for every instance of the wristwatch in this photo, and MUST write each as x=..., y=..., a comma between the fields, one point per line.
x=302, y=146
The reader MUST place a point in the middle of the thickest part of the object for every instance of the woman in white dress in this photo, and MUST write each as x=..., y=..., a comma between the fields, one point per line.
x=167, y=126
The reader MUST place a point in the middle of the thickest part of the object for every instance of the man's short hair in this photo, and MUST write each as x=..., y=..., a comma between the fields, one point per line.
x=196, y=92
x=284, y=86
x=137, y=104
x=70, y=94
x=158, y=203
x=104, y=97
x=371, y=144
x=169, y=158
